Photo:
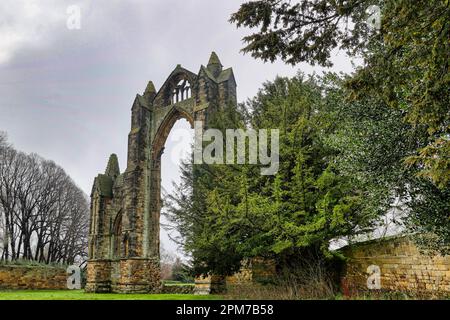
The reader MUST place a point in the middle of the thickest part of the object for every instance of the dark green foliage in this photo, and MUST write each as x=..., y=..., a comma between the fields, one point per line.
x=429, y=216
x=406, y=61
x=302, y=32
x=225, y=213
x=373, y=141
x=181, y=272
x=350, y=147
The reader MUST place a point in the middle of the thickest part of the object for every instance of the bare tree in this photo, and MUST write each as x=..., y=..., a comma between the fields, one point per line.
x=43, y=214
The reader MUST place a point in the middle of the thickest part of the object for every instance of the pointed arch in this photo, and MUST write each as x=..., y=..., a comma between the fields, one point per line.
x=165, y=127
x=117, y=236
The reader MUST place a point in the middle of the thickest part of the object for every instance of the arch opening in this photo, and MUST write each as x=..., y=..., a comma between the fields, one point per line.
x=165, y=129
x=117, y=236
x=177, y=147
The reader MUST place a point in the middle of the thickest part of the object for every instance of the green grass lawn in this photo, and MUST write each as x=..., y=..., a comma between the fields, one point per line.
x=81, y=295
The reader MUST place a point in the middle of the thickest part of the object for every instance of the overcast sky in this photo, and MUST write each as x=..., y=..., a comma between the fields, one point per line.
x=66, y=94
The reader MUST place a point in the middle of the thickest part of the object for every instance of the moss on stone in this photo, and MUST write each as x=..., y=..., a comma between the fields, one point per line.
x=112, y=169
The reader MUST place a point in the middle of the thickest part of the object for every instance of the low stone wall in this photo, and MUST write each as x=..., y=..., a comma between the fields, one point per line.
x=178, y=289
x=255, y=271
x=402, y=268
x=14, y=277
x=211, y=284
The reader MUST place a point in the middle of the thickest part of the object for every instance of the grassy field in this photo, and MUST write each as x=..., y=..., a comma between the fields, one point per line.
x=81, y=295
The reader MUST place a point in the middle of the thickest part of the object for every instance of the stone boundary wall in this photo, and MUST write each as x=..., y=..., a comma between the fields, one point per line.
x=210, y=284
x=178, y=289
x=255, y=271
x=403, y=268
x=17, y=277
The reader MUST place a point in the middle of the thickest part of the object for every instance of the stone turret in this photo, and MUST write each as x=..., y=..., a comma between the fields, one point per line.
x=112, y=169
x=214, y=65
x=150, y=91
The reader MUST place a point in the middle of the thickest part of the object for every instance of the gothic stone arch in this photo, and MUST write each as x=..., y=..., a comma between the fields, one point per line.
x=125, y=207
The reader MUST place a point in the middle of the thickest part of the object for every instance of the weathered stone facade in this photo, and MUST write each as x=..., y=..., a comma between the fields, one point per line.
x=19, y=277
x=125, y=207
x=402, y=267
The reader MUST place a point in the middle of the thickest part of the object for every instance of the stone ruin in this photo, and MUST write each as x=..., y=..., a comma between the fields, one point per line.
x=124, y=234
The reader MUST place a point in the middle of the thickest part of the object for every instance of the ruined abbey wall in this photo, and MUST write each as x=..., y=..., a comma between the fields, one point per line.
x=124, y=238
x=403, y=268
